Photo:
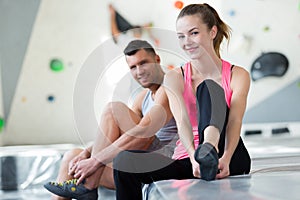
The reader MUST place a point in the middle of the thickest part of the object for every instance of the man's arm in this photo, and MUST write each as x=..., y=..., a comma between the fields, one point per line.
x=138, y=101
x=84, y=169
x=140, y=136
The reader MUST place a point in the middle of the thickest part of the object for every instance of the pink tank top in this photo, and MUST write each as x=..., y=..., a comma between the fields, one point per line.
x=191, y=105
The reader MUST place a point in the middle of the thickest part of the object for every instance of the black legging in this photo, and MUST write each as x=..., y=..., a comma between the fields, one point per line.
x=133, y=168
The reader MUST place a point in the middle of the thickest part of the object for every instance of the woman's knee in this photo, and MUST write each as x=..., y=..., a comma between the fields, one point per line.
x=126, y=160
x=119, y=161
x=212, y=105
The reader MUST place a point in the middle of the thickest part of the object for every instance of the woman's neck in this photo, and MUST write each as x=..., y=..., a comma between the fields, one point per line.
x=207, y=66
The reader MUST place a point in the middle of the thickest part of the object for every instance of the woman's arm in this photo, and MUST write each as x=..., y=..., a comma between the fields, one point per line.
x=240, y=83
x=174, y=86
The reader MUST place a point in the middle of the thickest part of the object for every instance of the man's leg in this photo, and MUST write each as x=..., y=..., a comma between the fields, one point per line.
x=64, y=168
x=106, y=179
x=114, y=122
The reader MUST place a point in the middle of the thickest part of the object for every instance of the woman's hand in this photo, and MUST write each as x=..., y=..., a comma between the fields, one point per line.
x=224, y=168
x=196, y=168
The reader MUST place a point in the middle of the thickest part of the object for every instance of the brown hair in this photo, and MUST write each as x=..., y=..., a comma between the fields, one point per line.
x=211, y=18
x=136, y=45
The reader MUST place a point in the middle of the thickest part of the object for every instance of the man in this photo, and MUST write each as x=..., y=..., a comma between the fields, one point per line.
x=121, y=128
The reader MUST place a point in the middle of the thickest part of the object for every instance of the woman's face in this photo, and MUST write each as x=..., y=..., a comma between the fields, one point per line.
x=194, y=36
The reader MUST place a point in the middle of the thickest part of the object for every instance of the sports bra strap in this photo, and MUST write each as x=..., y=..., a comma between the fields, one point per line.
x=182, y=71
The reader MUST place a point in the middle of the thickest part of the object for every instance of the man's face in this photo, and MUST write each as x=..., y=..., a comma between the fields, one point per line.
x=144, y=67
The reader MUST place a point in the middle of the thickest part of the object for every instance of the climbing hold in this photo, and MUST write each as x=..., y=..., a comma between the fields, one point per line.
x=266, y=29
x=56, y=65
x=232, y=13
x=269, y=64
x=51, y=98
x=1, y=124
x=178, y=4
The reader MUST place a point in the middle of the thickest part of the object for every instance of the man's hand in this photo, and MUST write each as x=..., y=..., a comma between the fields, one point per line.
x=82, y=156
x=85, y=168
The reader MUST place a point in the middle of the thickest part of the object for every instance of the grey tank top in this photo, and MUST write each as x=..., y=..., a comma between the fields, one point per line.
x=166, y=133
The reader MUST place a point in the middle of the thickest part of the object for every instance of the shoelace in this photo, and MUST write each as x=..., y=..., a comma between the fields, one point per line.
x=72, y=181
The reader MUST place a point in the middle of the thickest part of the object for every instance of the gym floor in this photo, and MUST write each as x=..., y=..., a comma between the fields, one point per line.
x=275, y=174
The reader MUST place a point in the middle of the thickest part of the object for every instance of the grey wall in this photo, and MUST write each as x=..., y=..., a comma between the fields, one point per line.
x=16, y=21
x=283, y=106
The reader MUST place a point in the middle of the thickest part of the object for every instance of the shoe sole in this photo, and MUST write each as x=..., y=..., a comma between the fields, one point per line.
x=62, y=193
x=206, y=155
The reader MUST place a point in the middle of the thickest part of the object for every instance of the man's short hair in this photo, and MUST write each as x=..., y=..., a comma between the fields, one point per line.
x=136, y=45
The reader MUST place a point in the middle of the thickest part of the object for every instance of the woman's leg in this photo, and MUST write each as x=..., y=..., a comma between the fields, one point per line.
x=240, y=162
x=132, y=169
x=212, y=119
x=213, y=111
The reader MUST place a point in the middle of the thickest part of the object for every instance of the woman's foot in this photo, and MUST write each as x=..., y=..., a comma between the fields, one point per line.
x=207, y=156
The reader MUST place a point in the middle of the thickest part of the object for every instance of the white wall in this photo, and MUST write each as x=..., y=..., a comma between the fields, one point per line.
x=66, y=30
x=250, y=20
x=77, y=32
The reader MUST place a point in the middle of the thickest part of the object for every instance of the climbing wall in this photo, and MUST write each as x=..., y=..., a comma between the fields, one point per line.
x=47, y=46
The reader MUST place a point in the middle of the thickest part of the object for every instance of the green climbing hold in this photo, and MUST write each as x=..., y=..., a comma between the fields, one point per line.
x=56, y=65
x=1, y=124
x=266, y=29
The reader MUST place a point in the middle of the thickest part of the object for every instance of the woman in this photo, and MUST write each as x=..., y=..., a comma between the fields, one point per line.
x=208, y=98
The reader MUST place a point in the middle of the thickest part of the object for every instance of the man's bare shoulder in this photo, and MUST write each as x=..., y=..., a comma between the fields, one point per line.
x=142, y=94
x=138, y=101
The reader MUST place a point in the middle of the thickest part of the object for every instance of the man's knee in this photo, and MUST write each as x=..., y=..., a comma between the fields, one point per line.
x=111, y=107
x=69, y=155
x=112, y=110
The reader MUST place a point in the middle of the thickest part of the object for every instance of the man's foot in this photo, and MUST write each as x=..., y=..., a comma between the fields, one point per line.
x=207, y=156
x=69, y=189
